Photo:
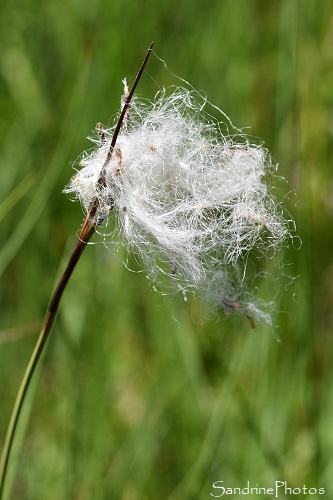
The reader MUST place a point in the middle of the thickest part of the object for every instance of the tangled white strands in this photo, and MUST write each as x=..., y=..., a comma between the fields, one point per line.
x=189, y=199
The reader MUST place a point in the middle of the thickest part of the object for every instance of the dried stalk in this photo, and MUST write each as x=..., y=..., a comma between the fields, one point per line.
x=87, y=231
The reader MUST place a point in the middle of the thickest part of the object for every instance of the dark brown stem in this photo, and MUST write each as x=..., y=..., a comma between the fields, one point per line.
x=101, y=181
x=128, y=99
x=87, y=231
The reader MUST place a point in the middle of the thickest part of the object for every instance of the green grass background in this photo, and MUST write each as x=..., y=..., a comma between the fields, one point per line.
x=137, y=397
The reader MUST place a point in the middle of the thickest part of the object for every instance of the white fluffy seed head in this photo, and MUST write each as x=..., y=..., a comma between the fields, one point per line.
x=189, y=199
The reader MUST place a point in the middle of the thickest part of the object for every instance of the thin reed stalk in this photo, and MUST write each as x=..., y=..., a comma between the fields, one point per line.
x=87, y=231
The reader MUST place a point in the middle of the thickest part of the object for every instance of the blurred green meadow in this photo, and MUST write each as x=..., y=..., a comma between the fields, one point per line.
x=139, y=396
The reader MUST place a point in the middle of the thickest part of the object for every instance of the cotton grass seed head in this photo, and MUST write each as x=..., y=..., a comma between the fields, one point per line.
x=189, y=196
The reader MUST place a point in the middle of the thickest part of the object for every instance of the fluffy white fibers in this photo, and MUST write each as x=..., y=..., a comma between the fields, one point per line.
x=191, y=200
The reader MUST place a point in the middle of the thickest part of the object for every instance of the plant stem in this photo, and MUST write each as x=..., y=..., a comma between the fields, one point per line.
x=44, y=334
x=87, y=231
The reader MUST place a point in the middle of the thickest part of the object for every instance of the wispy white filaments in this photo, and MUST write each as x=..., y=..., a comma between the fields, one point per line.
x=190, y=199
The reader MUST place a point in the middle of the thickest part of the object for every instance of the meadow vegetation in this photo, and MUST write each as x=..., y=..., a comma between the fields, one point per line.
x=141, y=395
